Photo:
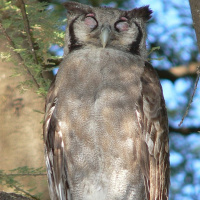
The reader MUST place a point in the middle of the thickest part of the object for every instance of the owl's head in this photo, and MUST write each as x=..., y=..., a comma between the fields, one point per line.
x=91, y=27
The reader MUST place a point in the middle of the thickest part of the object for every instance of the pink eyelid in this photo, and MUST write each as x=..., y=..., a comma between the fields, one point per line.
x=90, y=15
x=122, y=26
x=90, y=22
x=123, y=18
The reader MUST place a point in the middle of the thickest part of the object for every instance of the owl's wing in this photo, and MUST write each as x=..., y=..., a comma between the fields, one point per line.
x=153, y=150
x=54, y=149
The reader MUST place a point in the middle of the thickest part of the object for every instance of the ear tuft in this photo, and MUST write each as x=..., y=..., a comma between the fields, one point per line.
x=142, y=12
x=78, y=8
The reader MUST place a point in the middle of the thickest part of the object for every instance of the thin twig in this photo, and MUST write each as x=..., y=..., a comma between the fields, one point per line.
x=27, y=28
x=23, y=175
x=28, y=32
x=191, y=100
x=11, y=43
x=21, y=190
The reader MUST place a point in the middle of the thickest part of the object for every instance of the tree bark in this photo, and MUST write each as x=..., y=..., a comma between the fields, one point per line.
x=195, y=10
x=12, y=196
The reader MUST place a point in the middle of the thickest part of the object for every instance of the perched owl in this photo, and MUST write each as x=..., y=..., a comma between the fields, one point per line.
x=106, y=127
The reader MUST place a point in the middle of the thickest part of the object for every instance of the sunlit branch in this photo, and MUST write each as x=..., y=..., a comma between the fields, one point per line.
x=177, y=72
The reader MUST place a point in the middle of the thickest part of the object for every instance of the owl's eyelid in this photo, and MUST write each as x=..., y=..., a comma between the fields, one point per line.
x=120, y=21
x=123, y=19
x=90, y=15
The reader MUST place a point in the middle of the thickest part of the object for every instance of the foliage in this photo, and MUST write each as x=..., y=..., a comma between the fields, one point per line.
x=29, y=51
x=45, y=29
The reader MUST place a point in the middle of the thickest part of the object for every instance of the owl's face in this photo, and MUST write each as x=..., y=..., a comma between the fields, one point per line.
x=90, y=27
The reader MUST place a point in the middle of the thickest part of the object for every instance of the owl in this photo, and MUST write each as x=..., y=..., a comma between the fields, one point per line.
x=106, y=126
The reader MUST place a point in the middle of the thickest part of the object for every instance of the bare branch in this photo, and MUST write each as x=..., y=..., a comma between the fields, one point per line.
x=184, y=131
x=177, y=72
x=191, y=99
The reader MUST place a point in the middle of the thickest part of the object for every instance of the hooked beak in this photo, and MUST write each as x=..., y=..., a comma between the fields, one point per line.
x=105, y=35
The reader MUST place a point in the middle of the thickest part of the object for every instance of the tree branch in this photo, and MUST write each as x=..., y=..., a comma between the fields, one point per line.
x=28, y=32
x=184, y=131
x=195, y=10
x=26, y=193
x=22, y=175
x=12, y=196
x=191, y=99
x=177, y=72
x=27, y=28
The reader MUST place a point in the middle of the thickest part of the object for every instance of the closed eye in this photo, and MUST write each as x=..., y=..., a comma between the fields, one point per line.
x=90, y=21
x=122, y=24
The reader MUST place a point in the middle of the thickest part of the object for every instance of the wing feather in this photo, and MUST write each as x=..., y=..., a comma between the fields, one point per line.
x=153, y=123
x=54, y=149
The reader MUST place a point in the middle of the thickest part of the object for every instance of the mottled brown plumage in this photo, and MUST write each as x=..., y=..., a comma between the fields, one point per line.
x=106, y=127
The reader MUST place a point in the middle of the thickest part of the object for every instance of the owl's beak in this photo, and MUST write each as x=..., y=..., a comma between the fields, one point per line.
x=105, y=35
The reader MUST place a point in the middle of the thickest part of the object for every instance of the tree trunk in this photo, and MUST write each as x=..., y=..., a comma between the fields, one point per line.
x=195, y=10
x=20, y=128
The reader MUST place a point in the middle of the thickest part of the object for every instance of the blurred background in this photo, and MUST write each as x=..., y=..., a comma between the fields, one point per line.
x=175, y=57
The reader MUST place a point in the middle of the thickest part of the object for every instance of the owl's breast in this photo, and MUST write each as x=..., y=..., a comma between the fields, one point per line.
x=98, y=94
x=96, y=71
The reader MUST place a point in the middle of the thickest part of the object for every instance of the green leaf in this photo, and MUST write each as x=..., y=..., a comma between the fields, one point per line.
x=154, y=49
